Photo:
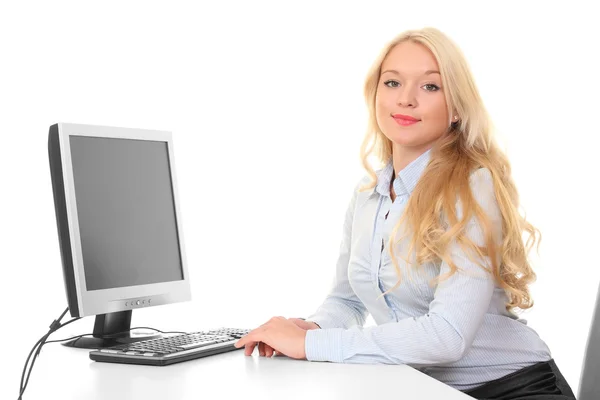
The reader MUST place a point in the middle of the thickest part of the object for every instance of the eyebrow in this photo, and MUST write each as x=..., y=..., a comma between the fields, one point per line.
x=428, y=72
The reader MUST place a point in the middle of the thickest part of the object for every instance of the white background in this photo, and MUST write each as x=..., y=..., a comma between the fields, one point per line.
x=265, y=103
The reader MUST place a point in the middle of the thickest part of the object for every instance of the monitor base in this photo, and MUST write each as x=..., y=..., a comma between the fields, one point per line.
x=111, y=329
x=102, y=342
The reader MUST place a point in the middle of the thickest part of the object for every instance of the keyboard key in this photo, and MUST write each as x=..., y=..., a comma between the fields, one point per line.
x=194, y=345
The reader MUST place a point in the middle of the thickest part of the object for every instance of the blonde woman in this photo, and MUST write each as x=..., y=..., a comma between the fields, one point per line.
x=432, y=245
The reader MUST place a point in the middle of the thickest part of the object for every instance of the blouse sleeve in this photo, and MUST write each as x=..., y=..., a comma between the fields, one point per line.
x=444, y=334
x=342, y=308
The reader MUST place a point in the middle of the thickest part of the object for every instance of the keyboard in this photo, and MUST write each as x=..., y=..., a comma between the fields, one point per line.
x=172, y=349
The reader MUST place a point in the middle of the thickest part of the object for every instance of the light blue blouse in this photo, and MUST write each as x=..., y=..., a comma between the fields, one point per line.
x=458, y=331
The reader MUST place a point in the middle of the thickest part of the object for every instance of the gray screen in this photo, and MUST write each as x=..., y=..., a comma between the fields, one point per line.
x=126, y=212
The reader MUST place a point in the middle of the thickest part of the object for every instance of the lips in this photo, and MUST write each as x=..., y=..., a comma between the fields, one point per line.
x=405, y=120
x=405, y=117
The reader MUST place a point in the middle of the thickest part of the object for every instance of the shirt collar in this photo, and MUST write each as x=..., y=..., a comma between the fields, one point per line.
x=407, y=178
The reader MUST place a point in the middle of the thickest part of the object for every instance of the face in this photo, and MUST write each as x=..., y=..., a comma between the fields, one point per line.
x=410, y=103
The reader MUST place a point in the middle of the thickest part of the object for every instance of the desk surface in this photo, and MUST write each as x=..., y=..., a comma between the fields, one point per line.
x=68, y=373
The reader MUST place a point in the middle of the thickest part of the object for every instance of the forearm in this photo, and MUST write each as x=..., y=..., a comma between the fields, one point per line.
x=339, y=312
x=428, y=340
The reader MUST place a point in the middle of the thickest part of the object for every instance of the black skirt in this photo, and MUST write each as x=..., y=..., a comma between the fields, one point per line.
x=541, y=381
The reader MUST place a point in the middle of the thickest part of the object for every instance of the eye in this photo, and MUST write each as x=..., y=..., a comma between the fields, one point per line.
x=390, y=81
x=435, y=88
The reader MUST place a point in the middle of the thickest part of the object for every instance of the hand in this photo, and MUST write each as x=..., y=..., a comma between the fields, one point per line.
x=266, y=350
x=279, y=334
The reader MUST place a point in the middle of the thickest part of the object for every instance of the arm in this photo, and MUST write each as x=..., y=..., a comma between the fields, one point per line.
x=445, y=333
x=342, y=308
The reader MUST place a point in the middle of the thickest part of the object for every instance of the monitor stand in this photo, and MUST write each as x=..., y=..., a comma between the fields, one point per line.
x=111, y=329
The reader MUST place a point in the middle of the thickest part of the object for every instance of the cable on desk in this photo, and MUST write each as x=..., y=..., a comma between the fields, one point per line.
x=137, y=327
x=54, y=326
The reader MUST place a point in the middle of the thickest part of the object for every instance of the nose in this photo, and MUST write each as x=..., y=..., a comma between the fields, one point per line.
x=406, y=96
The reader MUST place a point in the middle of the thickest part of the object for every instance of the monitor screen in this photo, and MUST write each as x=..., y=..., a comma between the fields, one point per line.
x=126, y=212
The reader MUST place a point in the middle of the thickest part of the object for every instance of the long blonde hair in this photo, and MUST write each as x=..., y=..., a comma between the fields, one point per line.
x=469, y=144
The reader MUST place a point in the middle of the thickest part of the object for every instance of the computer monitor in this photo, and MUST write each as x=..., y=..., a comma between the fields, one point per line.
x=119, y=225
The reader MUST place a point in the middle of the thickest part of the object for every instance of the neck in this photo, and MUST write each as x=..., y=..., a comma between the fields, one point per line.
x=403, y=155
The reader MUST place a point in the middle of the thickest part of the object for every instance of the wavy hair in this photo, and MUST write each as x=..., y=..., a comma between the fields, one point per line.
x=468, y=144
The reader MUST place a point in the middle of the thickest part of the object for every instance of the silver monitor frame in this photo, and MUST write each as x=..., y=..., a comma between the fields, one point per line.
x=111, y=300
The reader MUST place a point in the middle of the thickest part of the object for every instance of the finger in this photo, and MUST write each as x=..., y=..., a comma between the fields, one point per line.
x=261, y=349
x=249, y=348
x=252, y=336
x=268, y=351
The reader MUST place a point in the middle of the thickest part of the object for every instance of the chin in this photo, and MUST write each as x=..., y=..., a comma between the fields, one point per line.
x=407, y=139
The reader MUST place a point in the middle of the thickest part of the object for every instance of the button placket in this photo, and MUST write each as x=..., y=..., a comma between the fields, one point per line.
x=382, y=210
x=389, y=223
x=386, y=296
x=383, y=226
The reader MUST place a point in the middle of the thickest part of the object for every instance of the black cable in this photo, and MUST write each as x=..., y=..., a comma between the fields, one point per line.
x=137, y=327
x=39, y=349
x=55, y=325
x=157, y=330
x=39, y=345
x=21, y=390
x=30, y=353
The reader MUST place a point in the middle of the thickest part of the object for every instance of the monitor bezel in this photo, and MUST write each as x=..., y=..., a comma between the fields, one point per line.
x=102, y=301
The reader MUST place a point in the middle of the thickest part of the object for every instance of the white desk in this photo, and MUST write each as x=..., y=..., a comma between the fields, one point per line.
x=67, y=373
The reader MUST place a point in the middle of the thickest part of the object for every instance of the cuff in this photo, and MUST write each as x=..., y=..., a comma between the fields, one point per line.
x=324, y=345
x=324, y=323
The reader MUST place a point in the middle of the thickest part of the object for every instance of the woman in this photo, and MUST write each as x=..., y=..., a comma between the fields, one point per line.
x=432, y=244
